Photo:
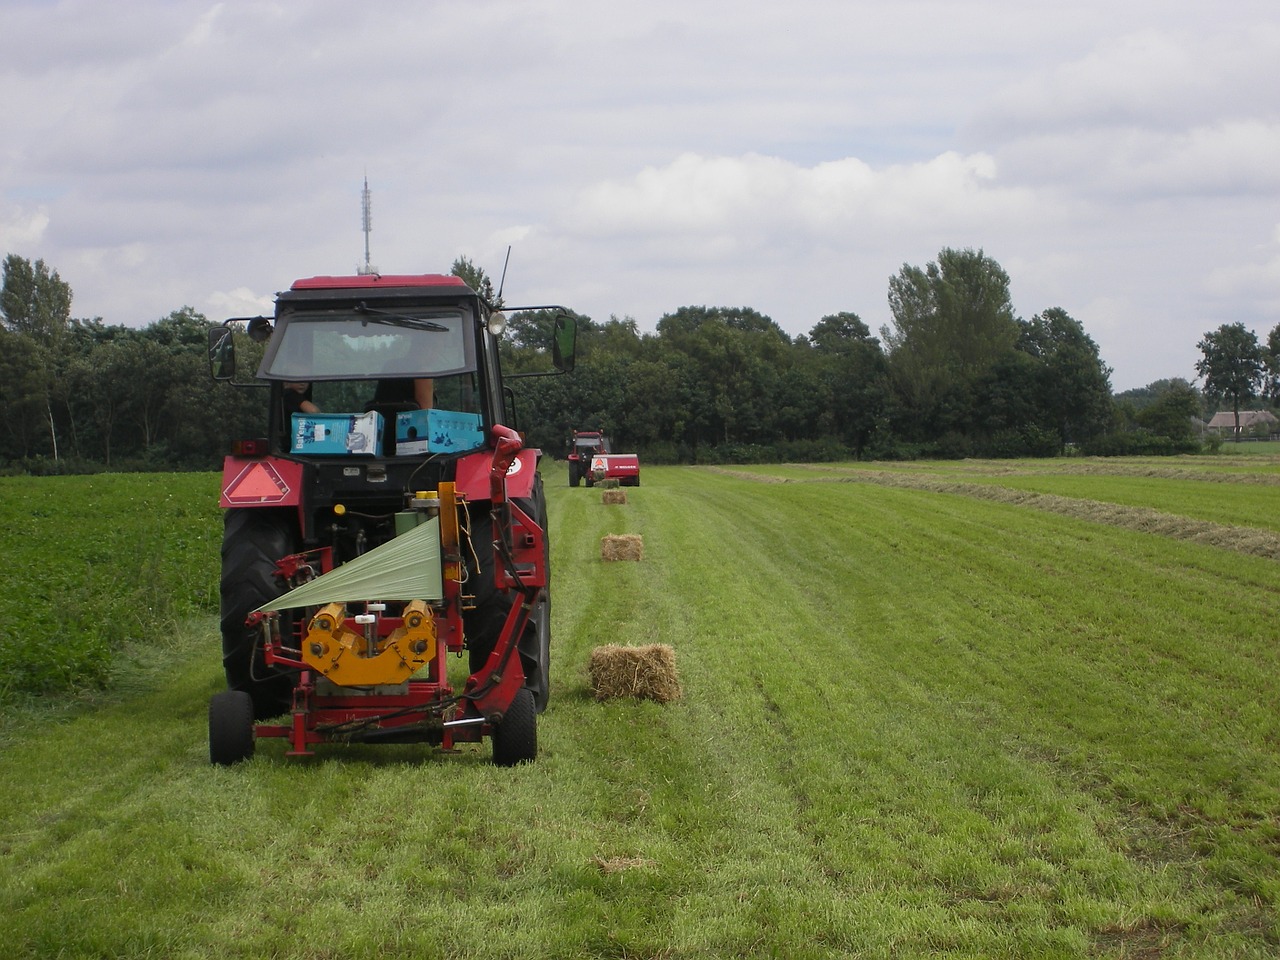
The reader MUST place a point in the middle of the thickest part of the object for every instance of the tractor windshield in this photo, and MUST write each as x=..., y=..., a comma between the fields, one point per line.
x=364, y=343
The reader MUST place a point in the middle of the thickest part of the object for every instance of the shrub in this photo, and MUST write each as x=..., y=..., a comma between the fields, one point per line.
x=1138, y=443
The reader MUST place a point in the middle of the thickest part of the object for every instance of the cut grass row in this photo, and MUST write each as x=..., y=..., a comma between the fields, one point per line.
x=914, y=724
x=1246, y=500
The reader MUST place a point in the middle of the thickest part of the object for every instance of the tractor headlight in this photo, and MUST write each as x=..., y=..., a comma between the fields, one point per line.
x=497, y=324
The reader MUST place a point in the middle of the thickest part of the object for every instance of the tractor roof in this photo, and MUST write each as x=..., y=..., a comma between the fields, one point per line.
x=368, y=281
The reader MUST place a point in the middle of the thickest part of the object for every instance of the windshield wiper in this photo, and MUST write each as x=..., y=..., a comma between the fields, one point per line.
x=374, y=315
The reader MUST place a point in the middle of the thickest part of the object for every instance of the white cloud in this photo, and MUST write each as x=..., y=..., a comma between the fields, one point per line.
x=1255, y=280
x=240, y=302
x=21, y=228
x=754, y=197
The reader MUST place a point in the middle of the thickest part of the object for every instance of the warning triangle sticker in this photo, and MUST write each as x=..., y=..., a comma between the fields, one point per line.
x=257, y=483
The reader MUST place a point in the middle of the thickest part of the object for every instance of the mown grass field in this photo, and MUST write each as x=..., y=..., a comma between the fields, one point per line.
x=919, y=720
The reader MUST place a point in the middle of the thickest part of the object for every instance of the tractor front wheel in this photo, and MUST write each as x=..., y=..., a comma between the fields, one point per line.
x=515, y=739
x=230, y=727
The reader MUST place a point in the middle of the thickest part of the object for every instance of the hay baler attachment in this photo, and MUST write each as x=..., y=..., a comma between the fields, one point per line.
x=370, y=660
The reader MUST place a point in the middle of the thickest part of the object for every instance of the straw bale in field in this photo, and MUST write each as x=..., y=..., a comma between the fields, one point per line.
x=612, y=483
x=622, y=546
x=640, y=673
x=613, y=496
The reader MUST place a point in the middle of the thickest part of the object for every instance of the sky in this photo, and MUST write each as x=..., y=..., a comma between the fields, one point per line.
x=1120, y=160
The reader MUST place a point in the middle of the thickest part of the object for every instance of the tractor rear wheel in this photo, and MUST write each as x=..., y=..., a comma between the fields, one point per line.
x=252, y=542
x=574, y=474
x=535, y=644
x=484, y=623
x=515, y=739
x=535, y=653
x=230, y=727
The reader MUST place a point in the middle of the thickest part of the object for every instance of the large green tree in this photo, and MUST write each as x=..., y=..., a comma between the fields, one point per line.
x=1170, y=413
x=476, y=279
x=33, y=299
x=953, y=322
x=851, y=366
x=1073, y=385
x=1231, y=365
x=1271, y=358
x=26, y=382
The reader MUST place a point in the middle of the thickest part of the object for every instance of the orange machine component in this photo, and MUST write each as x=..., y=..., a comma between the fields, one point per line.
x=351, y=658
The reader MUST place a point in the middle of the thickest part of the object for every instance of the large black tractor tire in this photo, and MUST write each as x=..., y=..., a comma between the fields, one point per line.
x=535, y=653
x=515, y=739
x=484, y=623
x=535, y=644
x=575, y=472
x=252, y=542
x=230, y=727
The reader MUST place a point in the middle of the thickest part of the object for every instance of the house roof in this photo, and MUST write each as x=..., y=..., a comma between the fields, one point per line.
x=1225, y=418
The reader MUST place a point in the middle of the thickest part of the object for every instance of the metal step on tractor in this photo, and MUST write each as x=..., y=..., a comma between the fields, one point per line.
x=390, y=516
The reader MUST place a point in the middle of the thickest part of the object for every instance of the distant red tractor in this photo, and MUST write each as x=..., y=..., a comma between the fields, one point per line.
x=390, y=516
x=590, y=459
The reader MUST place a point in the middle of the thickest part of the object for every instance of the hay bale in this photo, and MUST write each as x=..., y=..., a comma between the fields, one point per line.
x=614, y=496
x=612, y=483
x=623, y=546
x=640, y=673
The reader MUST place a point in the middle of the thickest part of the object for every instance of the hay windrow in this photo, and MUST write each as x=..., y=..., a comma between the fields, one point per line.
x=1248, y=540
x=640, y=673
x=1197, y=469
x=624, y=546
x=1251, y=541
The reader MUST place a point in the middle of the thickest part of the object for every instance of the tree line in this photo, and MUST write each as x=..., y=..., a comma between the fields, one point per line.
x=957, y=373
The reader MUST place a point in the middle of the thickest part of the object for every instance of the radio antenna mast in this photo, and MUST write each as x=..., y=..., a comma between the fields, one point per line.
x=366, y=218
x=497, y=301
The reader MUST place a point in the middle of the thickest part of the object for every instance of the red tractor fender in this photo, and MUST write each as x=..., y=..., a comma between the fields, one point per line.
x=474, y=474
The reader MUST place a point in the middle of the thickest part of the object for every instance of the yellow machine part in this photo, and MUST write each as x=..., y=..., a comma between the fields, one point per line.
x=449, y=549
x=342, y=654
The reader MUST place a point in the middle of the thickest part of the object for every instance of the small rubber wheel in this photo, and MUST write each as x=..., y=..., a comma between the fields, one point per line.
x=515, y=739
x=230, y=727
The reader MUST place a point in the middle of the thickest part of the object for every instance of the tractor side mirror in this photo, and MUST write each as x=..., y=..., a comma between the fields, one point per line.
x=564, y=342
x=222, y=353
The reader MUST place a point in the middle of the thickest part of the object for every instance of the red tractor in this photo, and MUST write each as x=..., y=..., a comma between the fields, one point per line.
x=390, y=516
x=590, y=460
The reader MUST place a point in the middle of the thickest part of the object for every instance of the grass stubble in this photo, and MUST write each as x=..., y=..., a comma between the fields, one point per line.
x=914, y=723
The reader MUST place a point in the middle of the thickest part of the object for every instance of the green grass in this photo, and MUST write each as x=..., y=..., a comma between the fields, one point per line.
x=93, y=564
x=914, y=724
